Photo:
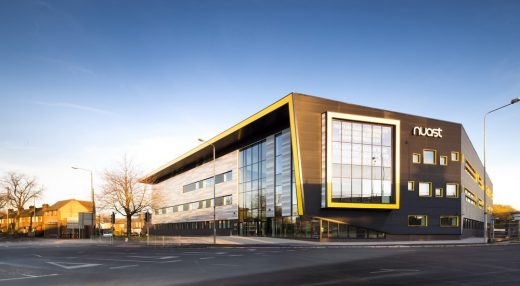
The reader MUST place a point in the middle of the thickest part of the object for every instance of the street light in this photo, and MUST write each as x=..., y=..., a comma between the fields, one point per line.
x=93, y=229
x=214, y=201
x=513, y=101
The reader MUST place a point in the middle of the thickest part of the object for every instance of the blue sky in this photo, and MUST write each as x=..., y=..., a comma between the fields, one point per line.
x=84, y=82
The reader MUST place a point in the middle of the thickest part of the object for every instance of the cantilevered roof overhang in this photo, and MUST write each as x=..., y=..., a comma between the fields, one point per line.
x=227, y=141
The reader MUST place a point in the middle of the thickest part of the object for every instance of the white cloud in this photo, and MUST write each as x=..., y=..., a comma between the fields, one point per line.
x=72, y=106
x=70, y=66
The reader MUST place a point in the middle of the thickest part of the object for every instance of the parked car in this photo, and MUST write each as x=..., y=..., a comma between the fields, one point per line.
x=107, y=233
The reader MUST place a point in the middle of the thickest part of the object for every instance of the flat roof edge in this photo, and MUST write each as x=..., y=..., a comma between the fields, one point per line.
x=149, y=178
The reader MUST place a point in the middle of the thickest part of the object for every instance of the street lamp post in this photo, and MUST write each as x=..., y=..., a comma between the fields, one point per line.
x=93, y=228
x=214, y=191
x=513, y=101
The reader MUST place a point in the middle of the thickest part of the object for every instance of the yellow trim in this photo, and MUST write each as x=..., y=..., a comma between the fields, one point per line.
x=296, y=155
x=442, y=192
x=449, y=216
x=445, y=160
x=434, y=156
x=288, y=99
x=227, y=132
x=413, y=186
x=457, y=155
x=397, y=168
x=418, y=155
x=429, y=189
x=329, y=220
x=425, y=218
x=457, y=190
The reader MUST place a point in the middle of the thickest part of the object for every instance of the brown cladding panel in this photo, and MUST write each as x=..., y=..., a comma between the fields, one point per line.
x=308, y=110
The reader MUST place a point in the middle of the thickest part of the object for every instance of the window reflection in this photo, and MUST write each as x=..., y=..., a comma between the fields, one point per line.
x=362, y=162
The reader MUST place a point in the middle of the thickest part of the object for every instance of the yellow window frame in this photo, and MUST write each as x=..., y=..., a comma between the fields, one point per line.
x=449, y=216
x=457, y=156
x=425, y=219
x=457, y=191
x=429, y=189
x=434, y=156
x=413, y=186
x=418, y=156
x=397, y=167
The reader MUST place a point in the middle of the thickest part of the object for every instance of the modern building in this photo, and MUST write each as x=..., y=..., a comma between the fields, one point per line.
x=308, y=167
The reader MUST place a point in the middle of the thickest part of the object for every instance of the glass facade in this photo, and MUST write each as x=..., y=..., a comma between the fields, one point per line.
x=252, y=189
x=267, y=191
x=362, y=162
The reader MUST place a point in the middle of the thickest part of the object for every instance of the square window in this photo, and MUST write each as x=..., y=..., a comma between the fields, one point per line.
x=429, y=157
x=425, y=189
x=418, y=220
x=455, y=156
x=443, y=160
x=416, y=158
x=452, y=190
x=411, y=185
x=438, y=192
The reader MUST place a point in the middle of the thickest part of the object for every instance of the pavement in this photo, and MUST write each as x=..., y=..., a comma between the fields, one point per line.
x=266, y=241
x=69, y=262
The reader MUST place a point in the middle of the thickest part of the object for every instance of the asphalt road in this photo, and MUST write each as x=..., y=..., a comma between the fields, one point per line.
x=104, y=264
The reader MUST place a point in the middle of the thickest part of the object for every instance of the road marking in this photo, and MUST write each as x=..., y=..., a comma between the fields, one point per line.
x=211, y=257
x=170, y=261
x=73, y=265
x=124, y=266
x=154, y=257
x=37, y=255
x=220, y=253
x=385, y=270
x=168, y=257
x=235, y=255
x=28, y=277
x=133, y=260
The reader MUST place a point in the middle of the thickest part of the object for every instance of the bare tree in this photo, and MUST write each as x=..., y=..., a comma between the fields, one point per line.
x=3, y=199
x=123, y=193
x=18, y=190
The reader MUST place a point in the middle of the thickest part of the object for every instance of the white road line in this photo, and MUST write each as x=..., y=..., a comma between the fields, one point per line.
x=170, y=261
x=132, y=260
x=73, y=265
x=124, y=266
x=235, y=255
x=385, y=270
x=154, y=257
x=168, y=257
x=28, y=277
x=37, y=255
x=211, y=257
x=220, y=253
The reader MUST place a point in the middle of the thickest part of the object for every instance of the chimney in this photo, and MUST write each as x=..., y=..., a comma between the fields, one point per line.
x=31, y=208
x=45, y=207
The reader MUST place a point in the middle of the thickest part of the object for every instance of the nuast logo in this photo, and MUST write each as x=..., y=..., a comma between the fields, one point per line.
x=430, y=132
